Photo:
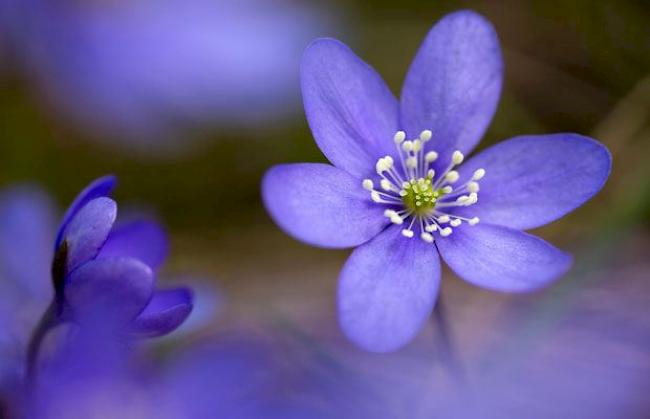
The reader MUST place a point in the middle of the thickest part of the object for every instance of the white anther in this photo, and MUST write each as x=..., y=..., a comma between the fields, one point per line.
x=375, y=196
x=455, y=222
x=389, y=213
x=473, y=187
x=403, y=193
x=367, y=184
x=445, y=231
x=412, y=162
x=431, y=173
x=473, y=221
x=478, y=174
x=473, y=198
x=396, y=219
x=457, y=157
x=452, y=176
x=389, y=161
x=417, y=145
x=427, y=237
x=431, y=156
x=407, y=146
x=470, y=201
x=385, y=184
x=425, y=135
x=381, y=166
x=447, y=189
x=462, y=199
x=407, y=233
x=443, y=219
x=400, y=136
x=431, y=228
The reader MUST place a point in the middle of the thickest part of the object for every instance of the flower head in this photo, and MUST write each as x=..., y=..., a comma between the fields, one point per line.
x=102, y=275
x=101, y=267
x=403, y=191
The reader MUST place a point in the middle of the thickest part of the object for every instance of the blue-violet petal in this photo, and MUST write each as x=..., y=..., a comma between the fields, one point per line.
x=387, y=290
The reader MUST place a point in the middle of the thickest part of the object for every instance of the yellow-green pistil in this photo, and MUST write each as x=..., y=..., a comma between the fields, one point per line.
x=419, y=196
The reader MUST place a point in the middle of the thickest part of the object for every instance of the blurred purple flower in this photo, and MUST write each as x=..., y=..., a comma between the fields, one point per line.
x=143, y=73
x=389, y=285
x=232, y=377
x=101, y=267
x=27, y=228
x=98, y=270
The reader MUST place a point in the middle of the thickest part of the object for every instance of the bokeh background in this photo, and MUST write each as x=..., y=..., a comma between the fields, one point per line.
x=188, y=103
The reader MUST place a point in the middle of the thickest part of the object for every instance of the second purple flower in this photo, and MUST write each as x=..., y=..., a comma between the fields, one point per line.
x=104, y=275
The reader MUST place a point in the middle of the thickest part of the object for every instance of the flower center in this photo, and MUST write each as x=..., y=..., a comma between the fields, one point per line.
x=420, y=196
x=416, y=194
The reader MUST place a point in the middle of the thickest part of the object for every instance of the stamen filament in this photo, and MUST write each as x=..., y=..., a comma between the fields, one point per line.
x=417, y=192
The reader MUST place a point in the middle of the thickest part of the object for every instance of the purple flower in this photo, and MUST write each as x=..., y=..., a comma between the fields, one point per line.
x=99, y=266
x=400, y=188
x=148, y=73
x=103, y=274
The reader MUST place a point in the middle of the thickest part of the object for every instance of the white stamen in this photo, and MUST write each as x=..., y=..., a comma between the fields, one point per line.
x=478, y=174
x=389, y=213
x=431, y=156
x=457, y=157
x=380, y=166
x=431, y=228
x=425, y=135
x=452, y=176
x=386, y=185
x=413, y=193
